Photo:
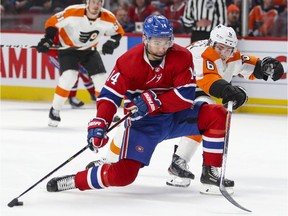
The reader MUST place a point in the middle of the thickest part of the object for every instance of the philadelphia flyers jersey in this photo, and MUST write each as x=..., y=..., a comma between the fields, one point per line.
x=208, y=66
x=76, y=30
x=172, y=80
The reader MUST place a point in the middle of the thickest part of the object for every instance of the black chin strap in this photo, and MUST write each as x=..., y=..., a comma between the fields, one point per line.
x=147, y=51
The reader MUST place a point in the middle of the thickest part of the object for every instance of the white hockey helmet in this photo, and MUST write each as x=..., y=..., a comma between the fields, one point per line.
x=103, y=1
x=224, y=35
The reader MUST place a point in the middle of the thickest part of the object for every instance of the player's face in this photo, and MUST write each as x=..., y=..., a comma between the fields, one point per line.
x=94, y=7
x=224, y=51
x=157, y=47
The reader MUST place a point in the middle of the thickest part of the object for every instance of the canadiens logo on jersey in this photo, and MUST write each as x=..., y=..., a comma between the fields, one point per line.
x=88, y=36
x=156, y=78
x=139, y=148
x=157, y=69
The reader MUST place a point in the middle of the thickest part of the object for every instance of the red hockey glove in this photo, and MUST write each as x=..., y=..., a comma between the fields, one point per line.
x=97, y=129
x=145, y=103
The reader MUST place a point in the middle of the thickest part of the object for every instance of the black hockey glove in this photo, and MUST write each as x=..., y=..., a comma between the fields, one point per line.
x=236, y=94
x=46, y=42
x=44, y=45
x=109, y=46
x=271, y=67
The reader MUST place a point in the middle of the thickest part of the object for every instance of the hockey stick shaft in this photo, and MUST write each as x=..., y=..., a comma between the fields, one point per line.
x=68, y=160
x=51, y=48
x=224, y=159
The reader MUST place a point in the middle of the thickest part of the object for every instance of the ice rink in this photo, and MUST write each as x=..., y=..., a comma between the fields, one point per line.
x=257, y=162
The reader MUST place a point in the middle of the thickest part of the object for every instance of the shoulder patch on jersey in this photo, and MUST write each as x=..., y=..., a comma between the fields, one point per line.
x=249, y=59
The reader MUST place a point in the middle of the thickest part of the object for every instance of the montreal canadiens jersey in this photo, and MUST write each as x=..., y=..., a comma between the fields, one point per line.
x=209, y=67
x=76, y=30
x=172, y=81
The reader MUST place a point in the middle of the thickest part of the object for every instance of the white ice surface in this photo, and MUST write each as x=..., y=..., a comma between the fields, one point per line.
x=257, y=162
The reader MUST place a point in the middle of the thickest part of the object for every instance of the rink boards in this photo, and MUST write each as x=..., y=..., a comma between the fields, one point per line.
x=28, y=75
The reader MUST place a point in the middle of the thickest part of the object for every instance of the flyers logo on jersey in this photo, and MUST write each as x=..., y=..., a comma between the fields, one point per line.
x=88, y=36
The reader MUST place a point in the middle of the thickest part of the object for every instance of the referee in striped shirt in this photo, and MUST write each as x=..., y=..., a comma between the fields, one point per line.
x=201, y=16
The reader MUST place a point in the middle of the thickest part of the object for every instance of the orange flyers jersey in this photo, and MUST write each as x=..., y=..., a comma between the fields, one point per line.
x=76, y=30
x=208, y=66
x=261, y=20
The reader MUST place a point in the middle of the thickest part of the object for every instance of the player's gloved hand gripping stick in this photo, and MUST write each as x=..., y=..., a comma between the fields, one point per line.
x=140, y=106
x=224, y=159
x=16, y=202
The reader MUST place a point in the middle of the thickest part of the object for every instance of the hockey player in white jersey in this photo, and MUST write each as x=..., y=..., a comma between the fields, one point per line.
x=80, y=27
x=216, y=61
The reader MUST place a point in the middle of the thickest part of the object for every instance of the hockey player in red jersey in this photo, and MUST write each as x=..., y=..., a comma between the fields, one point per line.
x=216, y=61
x=157, y=77
x=80, y=26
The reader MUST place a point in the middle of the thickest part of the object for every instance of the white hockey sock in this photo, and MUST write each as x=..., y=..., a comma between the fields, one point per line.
x=187, y=148
x=99, y=80
x=115, y=146
x=66, y=82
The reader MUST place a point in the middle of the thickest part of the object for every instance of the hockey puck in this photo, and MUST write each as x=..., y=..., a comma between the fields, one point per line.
x=20, y=203
x=15, y=202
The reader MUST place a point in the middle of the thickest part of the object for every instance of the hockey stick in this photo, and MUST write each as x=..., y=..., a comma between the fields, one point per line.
x=51, y=48
x=16, y=202
x=224, y=159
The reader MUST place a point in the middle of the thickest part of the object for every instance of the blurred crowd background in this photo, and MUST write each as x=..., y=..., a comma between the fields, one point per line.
x=265, y=18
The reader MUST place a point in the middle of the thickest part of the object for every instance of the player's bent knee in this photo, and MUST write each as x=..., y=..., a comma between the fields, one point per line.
x=68, y=79
x=125, y=172
x=212, y=116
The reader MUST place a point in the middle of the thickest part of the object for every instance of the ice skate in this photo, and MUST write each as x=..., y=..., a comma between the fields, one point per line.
x=210, y=180
x=54, y=117
x=180, y=176
x=75, y=102
x=61, y=183
x=97, y=163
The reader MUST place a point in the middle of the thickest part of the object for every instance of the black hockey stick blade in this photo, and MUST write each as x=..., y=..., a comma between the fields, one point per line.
x=224, y=159
x=16, y=202
x=230, y=199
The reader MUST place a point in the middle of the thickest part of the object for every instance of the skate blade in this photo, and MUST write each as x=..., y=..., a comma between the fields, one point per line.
x=178, y=182
x=53, y=123
x=77, y=107
x=214, y=190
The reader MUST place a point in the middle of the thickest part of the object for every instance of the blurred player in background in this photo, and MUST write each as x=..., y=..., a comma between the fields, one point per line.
x=216, y=61
x=80, y=27
x=72, y=99
x=161, y=91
